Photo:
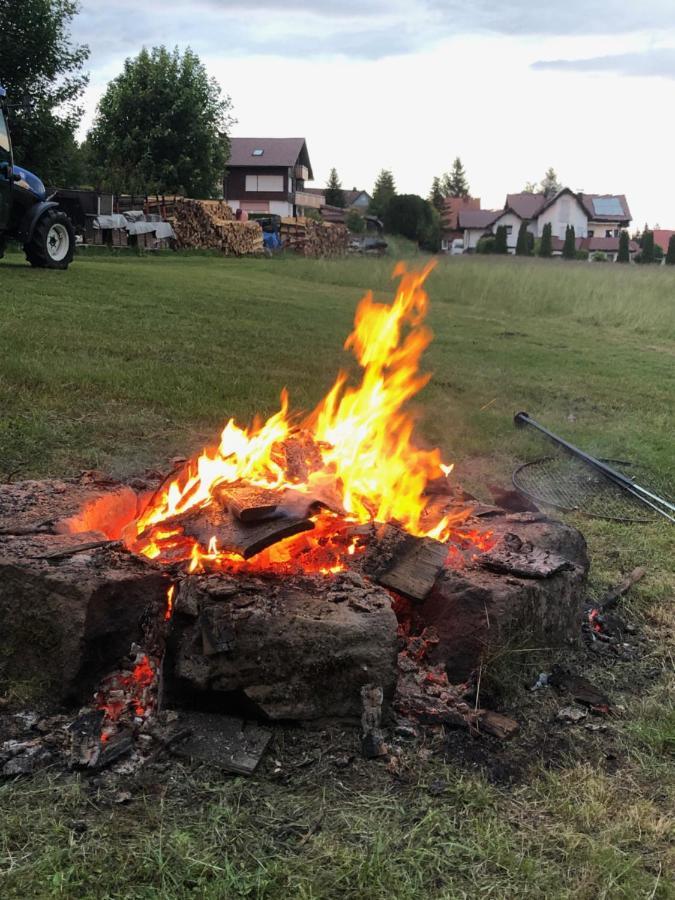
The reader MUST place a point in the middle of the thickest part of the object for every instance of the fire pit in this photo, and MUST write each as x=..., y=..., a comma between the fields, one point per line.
x=304, y=569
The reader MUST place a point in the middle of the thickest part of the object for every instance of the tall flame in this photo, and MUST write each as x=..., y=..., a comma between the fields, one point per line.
x=363, y=433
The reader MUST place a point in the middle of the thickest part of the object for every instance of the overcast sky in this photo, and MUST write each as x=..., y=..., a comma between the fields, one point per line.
x=512, y=87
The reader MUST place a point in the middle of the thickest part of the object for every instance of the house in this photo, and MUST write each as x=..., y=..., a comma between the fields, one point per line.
x=354, y=199
x=662, y=237
x=597, y=220
x=268, y=175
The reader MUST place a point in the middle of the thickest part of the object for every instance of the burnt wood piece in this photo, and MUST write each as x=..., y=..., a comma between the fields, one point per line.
x=223, y=741
x=298, y=648
x=578, y=687
x=614, y=594
x=407, y=564
x=77, y=548
x=250, y=504
x=67, y=622
x=496, y=724
x=234, y=536
x=516, y=557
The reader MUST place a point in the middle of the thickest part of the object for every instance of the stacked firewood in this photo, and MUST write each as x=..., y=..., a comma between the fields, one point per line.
x=313, y=238
x=210, y=225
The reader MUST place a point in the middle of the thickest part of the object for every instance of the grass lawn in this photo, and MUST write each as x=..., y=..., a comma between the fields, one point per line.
x=122, y=362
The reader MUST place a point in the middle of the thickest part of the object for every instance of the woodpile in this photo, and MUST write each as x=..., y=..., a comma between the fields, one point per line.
x=312, y=238
x=210, y=225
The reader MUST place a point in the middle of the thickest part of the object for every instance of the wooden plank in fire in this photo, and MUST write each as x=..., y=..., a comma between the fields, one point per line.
x=515, y=557
x=250, y=504
x=233, y=536
x=409, y=565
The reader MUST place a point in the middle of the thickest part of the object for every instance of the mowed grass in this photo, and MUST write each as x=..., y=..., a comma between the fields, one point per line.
x=122, y=362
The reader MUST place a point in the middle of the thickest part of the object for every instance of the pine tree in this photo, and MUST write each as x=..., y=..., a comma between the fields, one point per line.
x=623, y=255
x=570, y=245
x=523, y=244
x=670, y=255
x=501, y=244
x=545, y=247
x=455, y=184
x=436, y=195
x=549, y=185
x=383, y=192
x=335, y=196
x=647, y=255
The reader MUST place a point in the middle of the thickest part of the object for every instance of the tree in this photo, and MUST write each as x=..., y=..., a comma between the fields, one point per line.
x=523, y=243
x=623, y=255
x=549, y=185
x=42, y=71
x=414, y=218
x=455, y=184
x=546, y=245
x=670, y=255
x=161, y=126
x=647, y=254
x=335, y=196
x=384, y=190
x=436, y=195
x=501, y=244
x=531, y=188
x=570, y=246
x=355, y=222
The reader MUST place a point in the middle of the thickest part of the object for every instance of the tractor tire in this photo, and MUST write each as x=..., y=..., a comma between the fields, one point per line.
x=53, y=242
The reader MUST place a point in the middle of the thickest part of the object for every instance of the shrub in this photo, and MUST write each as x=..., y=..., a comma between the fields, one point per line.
x=624, y=248
x=599, y=256
x=523, y=244
x=355, y=222
x=580, y=254
x=486, y=244
x=670, y=255
x=545, y=245
x=569, y=247
x=501, y=244
x=648, y=254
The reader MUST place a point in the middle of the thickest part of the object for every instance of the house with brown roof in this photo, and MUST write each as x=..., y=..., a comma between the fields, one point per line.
x=597, y=220
x=268, y=175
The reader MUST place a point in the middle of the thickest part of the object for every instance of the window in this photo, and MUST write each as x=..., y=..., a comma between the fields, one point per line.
x=273, y=184
x=591, y=232
x=509, y=229
x=609, y=233
x=257, y=152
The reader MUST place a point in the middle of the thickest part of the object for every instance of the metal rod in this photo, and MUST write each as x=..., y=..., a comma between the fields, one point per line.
x=642, y=494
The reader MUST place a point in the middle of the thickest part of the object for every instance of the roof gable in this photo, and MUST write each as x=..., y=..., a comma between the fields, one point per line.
x=524, y=204
x=276, y=152
x=557, y=197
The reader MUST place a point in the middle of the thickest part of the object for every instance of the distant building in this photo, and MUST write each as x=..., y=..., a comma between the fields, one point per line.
x=354, y=199
x=597, y=219
x=268, y=175
x=662, y=237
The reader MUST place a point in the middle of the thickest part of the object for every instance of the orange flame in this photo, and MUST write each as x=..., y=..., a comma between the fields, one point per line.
x=363, y=435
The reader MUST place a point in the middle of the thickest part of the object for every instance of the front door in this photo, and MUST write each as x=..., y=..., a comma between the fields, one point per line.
x=5, y=172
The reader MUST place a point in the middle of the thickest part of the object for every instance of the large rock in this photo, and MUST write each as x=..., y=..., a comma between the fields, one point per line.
x=477, y=611
x=292, y=648
x=68, y=621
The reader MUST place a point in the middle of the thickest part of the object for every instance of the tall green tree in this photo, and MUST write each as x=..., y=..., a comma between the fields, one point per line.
x=161, y=126
x=623, y=256
x=383, y=192
x=42, y=70
x=648, y=254
x=569, y=250
x=523, y=243
x=455, y=183
x=335, y=196
x=549, y=184
x=501, y=243
x=436, y=195
x=415, y=218
x=546, y=243
x=670, y=255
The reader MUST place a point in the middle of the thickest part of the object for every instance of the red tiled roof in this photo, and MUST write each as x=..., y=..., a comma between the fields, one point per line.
x=525, y=204
x=662, y=237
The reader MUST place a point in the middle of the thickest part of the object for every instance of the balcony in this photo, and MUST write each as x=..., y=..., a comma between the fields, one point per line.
x=315, y=201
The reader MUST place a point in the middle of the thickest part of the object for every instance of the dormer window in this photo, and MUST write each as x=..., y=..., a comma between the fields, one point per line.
x=258, y=152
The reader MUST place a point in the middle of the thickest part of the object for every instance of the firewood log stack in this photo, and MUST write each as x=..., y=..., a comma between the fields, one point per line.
x=312, y=238
x=210, y=225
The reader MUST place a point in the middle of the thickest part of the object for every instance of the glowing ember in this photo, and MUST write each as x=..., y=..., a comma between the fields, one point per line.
x=361, y=454
x=129, y=694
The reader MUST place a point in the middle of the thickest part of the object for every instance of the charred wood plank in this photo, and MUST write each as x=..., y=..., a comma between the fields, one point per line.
x=516, y=557
x=614, y=594
x=233, y=536
x=250, y=504
x=407, y=564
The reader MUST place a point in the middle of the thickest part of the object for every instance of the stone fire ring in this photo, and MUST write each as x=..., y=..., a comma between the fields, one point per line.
x=297, y=648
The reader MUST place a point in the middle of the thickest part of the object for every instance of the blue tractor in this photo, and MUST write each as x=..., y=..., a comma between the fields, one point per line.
x=27, y=214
